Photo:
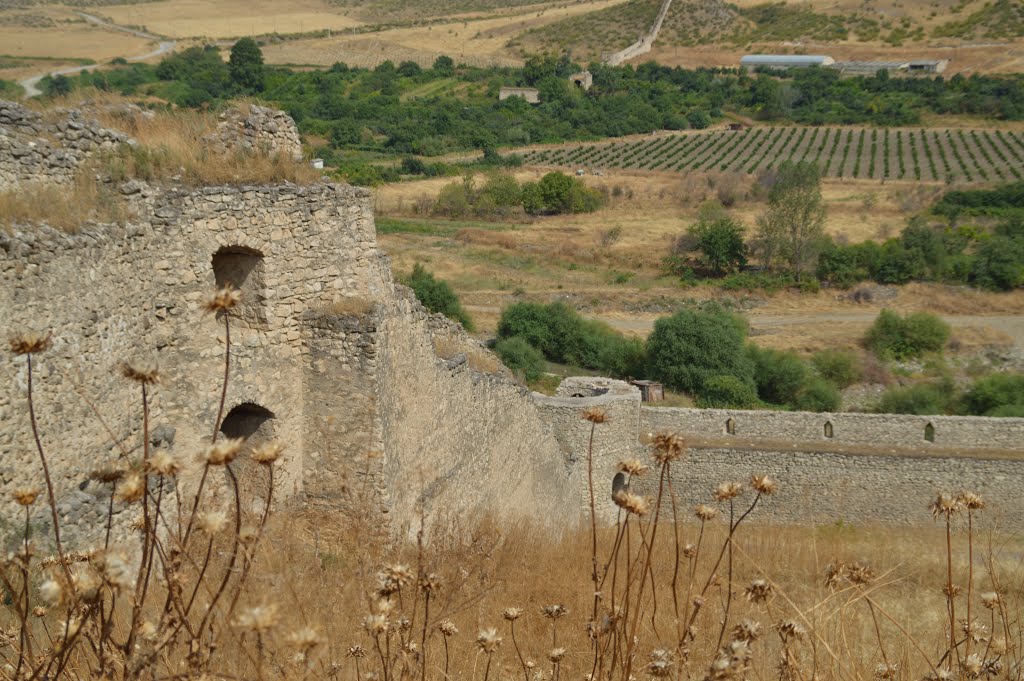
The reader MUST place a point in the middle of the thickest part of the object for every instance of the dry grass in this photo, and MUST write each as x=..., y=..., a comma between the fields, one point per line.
x=64, y=207
x=347, y=306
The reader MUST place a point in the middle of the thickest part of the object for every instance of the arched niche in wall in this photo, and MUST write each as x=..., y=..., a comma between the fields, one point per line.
x=828, y=429
x=256, y=425
x=929, y=432
x=730, y=426
x=243, y=268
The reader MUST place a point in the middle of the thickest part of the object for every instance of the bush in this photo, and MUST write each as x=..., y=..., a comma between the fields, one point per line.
x=726, y=392
x=557, y=192
x=999, y=264
x=895, y=337
x=923, y=399
x=686, y=350
x=779, y=376
x=840, y=367
x=563, y=336
x=521, y=357
x=818, y=395
x=437, y=296
x=995, y=395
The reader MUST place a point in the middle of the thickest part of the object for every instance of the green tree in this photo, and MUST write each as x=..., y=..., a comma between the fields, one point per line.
x=994, y=394
x=779, y=376
x=840, y=367
x=818, y=395
x=246, y=65
x=437, y=296
x=720, y=241
x=792, y=229
x=999, y=264
x=726, y=392
x=895, y=337
x=521, y=357
x=685, y=350
x=444, y=66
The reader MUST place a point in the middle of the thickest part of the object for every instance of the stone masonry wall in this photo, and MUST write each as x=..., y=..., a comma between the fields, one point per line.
x=614, y=440
x=457, y=439
x=113, y=293
x=869, y=429
x=646, y=41
x=257, y=128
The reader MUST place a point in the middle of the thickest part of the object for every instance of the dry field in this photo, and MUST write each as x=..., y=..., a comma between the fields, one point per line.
x=478, y=41
x=67, y=36
x=567, y=258
x=230, y=18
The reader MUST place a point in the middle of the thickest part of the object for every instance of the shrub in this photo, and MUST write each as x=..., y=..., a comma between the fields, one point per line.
x=818, y=395
x=840, y=367
x=895, y=337
x=685, y=350
x=995, y=395
x=923, y=398
x=999, y=264
x=779, y=376
x=721, y=244
x=437, y=296
x=557, y=192
x=726, y=392
x=521, y=357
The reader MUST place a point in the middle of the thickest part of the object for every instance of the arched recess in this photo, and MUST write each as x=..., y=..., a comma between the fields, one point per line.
x=929, y=432
x=256, y=424
x=243, y=268
x=730, y=426
x=828, y=429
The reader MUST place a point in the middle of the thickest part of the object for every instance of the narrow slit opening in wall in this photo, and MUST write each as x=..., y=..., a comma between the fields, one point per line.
x=243, y=268
x=257, y=426
x=730, y=426
x=828, y=429
x=929, y=433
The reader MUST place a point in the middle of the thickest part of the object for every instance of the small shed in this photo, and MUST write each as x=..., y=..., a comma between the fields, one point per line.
x=530, y=94
x=583, y=80
x=650, y=391
x=317, y=163
x=927, y=65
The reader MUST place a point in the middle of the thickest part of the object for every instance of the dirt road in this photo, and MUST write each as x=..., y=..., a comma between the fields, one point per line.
x=31, y=84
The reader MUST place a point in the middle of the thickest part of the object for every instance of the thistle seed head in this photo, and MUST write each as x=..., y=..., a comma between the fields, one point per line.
x=595, y=415
x=633, y=467
x=990, y=599
x=211, y=522
x=268, y=453
x=488, y=640
x=223, y=300
x=164, y=463
x=970, y=501
x=511, y=614
x=728, y=490
x=305, y=639
x=131, y=488
x=746, y=630
x=554, y=611
x=667, y=447
x=759, y=591
x=945, y=505
x=633, y=503
x=356, y=651
x=29, y=342
x=25, y=496
x=705, y=512
x=223, y=452
x=764, y=485
x=555, y=655
x=447, y=628
x=259, y=619
x=143, y=372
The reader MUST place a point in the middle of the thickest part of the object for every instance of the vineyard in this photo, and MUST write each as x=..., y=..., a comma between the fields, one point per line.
x=858, y=153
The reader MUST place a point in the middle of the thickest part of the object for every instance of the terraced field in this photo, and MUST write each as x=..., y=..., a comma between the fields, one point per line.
x=925, y=155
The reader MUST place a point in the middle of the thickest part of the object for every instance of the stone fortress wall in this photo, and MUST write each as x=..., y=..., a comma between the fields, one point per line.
x=644, y=42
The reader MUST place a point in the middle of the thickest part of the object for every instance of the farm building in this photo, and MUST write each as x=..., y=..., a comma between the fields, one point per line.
x=785, y=61
x=868, y=68
x=583, y=80
x=530, y=94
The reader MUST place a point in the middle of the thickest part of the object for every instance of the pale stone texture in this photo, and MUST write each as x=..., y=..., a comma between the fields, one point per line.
x=255, y=128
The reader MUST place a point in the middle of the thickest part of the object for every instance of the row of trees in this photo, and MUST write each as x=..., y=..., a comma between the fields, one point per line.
x=501, y=196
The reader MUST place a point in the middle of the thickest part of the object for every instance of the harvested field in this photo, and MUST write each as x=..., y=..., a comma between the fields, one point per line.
x=910, y=154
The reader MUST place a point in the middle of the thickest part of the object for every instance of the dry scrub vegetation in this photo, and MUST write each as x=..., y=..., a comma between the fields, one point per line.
x=210, y=591
x=170, y=148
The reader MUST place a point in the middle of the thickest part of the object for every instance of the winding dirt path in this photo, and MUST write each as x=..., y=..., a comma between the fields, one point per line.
x=31, y=84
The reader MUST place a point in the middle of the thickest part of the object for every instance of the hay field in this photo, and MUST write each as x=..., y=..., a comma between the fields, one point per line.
x=476, y=42
x=231, y=18
x=66, y=36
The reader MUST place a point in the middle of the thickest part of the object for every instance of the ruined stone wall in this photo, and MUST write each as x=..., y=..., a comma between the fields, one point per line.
x=882, y=430
x=112, y=293
x=822, y=487
x=646, y=41
x=36, y=151
x=457, y=438
x=255, y=128
x=614, y=440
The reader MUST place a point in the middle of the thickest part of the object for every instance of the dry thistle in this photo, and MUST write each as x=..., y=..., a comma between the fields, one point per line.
x=764, y=485
x=488, y=640
x=633, y=467
x=970, y=501
x=861, y=575
x=705, y=512
x=212, y=522
x=107, y=474
x=990, y=599
x=660, y=665
x=268, y=453
x=555, y=655
x=131, y=488
x=224, y=452
x=886, y=672
x=633, y=503
x=555, y=611
x=689, y=551
x=759, y=591
x=392, y=578
x=791, y=630
x=356, y=651
x=52, y=591
x=746, y=630
x=430, y=583
x=667, y=447
x=29, y=342
x=511, y=614
x=972, y=665
x=25, y=496
x=259, y=619
x=447, y=628
x=945, y=504
x=375, y=624
x=728, y=490
x=223, y=300
x=164, y=463
x=143, y=372
x=39, y=611
x=305, y=639
x=595, y=415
